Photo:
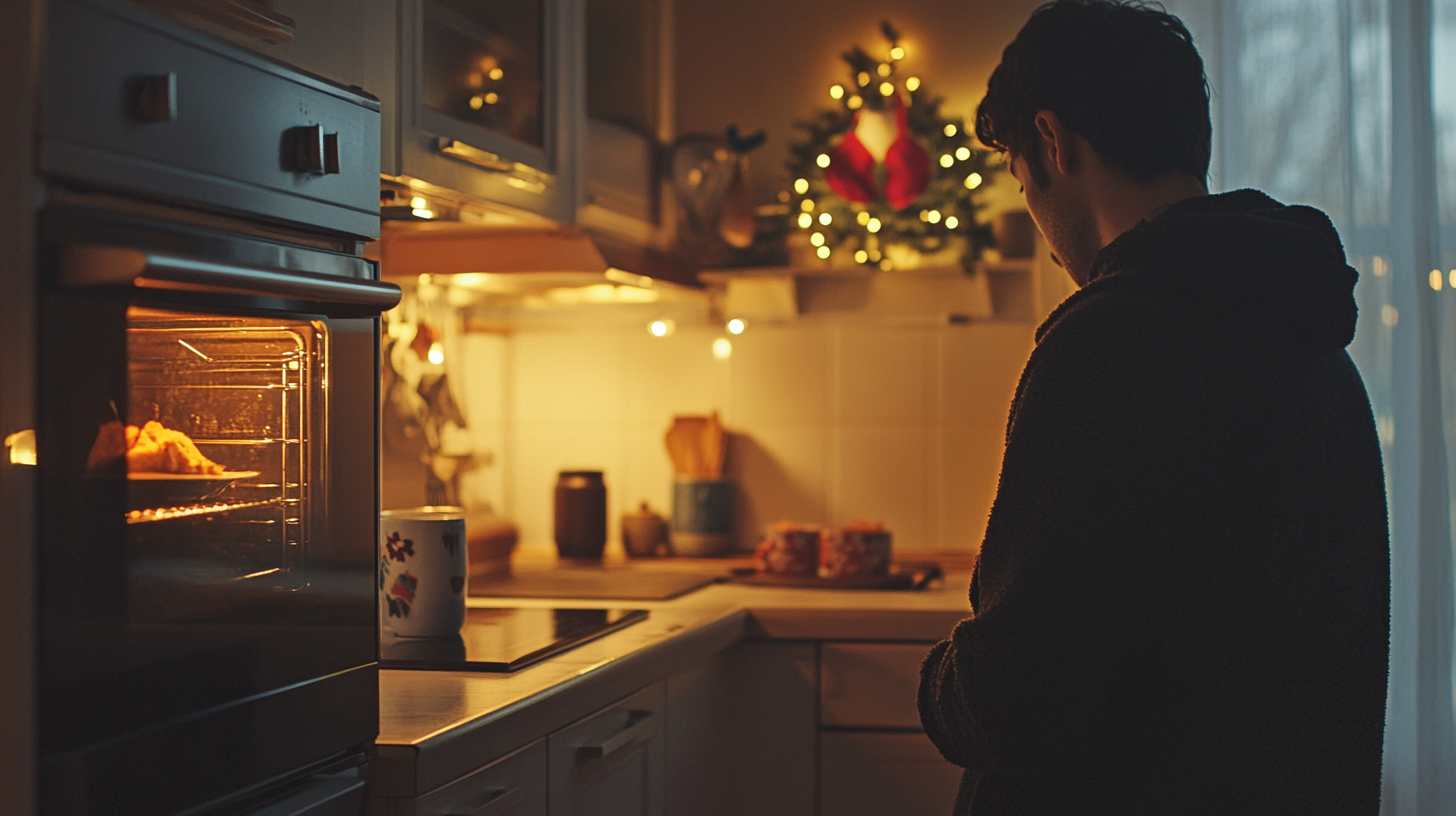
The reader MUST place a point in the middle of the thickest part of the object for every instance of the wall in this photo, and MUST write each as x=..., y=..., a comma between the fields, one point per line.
x=769, y=63
x=881, y=412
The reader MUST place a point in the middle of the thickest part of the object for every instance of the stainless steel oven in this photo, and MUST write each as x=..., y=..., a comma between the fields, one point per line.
x=207, y=444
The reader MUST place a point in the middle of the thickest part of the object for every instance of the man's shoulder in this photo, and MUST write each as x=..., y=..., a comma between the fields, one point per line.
x=1109, y=314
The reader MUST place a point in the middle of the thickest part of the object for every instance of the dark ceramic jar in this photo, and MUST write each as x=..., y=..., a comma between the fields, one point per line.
x=581, y=514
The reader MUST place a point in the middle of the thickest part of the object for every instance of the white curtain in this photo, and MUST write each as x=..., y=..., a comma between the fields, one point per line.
x=1350, y=106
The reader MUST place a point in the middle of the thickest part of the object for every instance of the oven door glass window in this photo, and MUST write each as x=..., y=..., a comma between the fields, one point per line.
x=221, y=443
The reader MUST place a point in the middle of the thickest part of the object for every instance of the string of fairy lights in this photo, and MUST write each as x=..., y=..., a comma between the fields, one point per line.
x=869, y=223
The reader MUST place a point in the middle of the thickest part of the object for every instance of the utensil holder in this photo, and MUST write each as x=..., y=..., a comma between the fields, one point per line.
x=702, y=516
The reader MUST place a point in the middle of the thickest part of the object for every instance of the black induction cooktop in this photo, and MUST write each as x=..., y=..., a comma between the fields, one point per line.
x=505, y=640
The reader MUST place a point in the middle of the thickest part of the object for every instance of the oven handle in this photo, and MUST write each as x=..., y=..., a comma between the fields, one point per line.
x=104, y=266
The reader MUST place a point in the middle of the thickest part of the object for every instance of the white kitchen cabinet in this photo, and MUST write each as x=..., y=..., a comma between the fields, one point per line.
x=742, y=732
x=868, y=773
x=873, y=756
x=514, y=785
x=491, y=100
x=629, y=108
x=611, y=763
x=870, y=685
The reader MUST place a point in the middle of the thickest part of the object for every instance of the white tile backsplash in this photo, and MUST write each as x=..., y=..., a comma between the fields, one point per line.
x=883, y=375
x=830, y=420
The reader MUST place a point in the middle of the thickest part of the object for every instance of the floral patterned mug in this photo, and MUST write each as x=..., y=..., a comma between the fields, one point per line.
x=422, y=571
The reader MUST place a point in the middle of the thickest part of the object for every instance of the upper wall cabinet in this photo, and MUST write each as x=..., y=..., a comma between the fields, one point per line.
x=491, y=99
x=629, y=107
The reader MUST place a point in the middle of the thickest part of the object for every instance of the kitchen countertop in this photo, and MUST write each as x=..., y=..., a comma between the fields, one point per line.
x=435, y=726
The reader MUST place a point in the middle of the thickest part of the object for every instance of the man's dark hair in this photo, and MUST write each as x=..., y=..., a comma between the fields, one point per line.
x=1122, y=75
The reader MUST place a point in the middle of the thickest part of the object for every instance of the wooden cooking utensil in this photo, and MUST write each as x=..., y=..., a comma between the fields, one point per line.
x=712, y=443
x=684, y=446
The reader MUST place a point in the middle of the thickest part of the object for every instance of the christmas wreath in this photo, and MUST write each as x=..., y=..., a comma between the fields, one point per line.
x=883, y=171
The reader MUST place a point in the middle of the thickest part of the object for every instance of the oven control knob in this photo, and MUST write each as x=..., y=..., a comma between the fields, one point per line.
x=155, y=98
x=315, y=152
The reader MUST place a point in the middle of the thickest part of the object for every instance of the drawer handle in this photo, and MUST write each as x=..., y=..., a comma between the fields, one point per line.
x=499, y=803
x=629, y=734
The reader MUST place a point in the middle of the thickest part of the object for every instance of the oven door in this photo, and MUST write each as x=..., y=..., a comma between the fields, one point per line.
x=207, y=457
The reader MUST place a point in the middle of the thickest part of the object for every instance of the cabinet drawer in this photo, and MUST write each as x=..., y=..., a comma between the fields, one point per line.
x=870, y=685
x=611, y=763
x=878, y=773
x=159, y=109
x=513, y=786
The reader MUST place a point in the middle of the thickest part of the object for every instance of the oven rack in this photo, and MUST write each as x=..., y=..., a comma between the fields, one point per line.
x=186, y=511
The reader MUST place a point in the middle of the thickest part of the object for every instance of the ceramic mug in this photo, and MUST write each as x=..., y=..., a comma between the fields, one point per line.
x=422, y=571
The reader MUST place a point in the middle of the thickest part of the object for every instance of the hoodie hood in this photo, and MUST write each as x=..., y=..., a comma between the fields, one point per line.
x=1258, y=266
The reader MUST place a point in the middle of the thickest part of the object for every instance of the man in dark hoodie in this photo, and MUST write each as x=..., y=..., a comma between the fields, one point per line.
x=1182, y=600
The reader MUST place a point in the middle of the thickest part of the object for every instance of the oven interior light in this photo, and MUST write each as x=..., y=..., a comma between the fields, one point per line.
x=437, y=353
x=22, y=447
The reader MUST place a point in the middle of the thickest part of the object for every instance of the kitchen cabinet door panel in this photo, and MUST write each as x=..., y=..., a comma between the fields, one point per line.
x=742, y=733
x=874, y=774
x=512, y=786
x=870, y=685
x=613, y=762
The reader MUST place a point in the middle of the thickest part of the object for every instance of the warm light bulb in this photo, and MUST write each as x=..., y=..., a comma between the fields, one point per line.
x=475, y=80
x=861, y=256
x=806, y=220
x=925, y=215
x=913, y=83
x=421, y=212
x=1453, y=279
x=736, y=326
x=873, y=225
x=887, y=265
x=863, y=79
x=722, y=349
x=807, y=205
x=419, y=203
x=1436, y=279
x=950, y=130
x=951, y=222
x=801, y=186
x=660, y=328
x=897, y=53
x=862, y=217
x=836, y=91
x=497, y=74
x=492, y=98
x=946, y=160
x=817, y=239
x=884, y=69
x=886, y=88
x=436, y=354
x=822, y=252
x=477, y=102
x=826, y=219
x=933, y=217
x=963, y=153
x=822, y=160
x=854, y=102
x=973, y=181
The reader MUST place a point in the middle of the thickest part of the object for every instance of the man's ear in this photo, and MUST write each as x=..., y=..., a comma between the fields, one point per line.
x=1056, y=142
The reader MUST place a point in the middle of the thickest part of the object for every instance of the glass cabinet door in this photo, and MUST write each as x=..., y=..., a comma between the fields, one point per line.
x=483, y=64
